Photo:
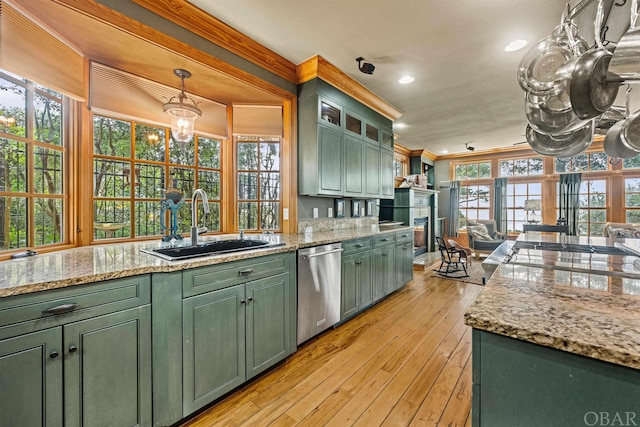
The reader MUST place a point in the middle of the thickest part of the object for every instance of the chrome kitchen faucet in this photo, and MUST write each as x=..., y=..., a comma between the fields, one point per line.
x=194, y=214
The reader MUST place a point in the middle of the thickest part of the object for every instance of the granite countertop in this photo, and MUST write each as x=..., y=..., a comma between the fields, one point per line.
x=89, y=264
x=590, y=312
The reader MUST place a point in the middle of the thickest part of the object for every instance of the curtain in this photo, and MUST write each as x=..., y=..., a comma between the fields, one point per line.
x=500, y=204
x=454, y=208
x=570, y=200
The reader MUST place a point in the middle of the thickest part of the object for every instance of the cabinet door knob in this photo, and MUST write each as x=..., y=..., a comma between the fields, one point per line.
x=54, y=354
x=250, y=299
x=242, y=301
x=73, y=348
x=385, y=254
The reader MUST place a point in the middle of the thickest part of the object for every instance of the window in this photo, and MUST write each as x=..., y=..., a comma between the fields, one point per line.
x=398, y=168
x=134, y=164
x=632, y=199
x=584, y=162
x=474, y=203
x=521, y=167
x=632, y=163
x=593, y=207
x=516, y=195
x=473, y=171
x=32, y=164
x=258, y=172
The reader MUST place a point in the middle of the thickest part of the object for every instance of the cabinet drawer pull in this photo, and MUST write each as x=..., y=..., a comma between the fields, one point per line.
x=358, y=262
x=405, y=235
x=358, y=246
x=384, y=240
x=59, y=309
x=246, y=272
x=385, y=254
x=53, y=354
x=73, y=348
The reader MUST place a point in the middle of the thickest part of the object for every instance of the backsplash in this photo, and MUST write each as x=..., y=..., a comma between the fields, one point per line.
x=327, y=224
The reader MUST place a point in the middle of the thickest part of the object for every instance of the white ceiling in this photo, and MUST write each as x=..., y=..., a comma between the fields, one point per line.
x=465, y=90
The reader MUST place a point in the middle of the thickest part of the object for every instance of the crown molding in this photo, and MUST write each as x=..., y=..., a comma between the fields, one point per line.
x=318, y=67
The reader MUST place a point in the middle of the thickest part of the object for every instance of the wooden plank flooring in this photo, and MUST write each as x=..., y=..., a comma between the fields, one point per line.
x=404, y=362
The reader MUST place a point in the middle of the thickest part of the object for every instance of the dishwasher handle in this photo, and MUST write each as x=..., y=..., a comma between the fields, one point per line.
x=321, y=253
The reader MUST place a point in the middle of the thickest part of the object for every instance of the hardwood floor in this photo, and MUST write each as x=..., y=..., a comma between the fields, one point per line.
x=404, y=362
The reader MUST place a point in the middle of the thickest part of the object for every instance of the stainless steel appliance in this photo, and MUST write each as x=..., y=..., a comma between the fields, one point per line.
x=319, y=274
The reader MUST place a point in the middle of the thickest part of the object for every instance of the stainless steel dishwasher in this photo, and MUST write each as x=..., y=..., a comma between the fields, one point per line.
x=319, y=278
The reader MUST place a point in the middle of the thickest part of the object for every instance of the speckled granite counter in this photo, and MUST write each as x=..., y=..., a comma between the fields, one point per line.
x=103, y=262
x=590, y=313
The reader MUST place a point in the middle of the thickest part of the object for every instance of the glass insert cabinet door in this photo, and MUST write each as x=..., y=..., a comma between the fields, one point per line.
x=330, y=113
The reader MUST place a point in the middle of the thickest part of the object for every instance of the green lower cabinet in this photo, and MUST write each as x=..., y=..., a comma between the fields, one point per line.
x=107, y=365
x=383, y=269
x=518, y=383
x=231, y=335
x=356, y=286
x=31, y=379
x=269, y=322
x=76, y=374
x=404, y=264
x=214, y=346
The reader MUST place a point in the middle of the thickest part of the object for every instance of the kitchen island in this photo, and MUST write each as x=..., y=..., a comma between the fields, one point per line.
x=556, y=335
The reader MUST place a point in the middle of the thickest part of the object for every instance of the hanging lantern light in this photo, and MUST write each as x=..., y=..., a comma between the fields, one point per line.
x=183, y=111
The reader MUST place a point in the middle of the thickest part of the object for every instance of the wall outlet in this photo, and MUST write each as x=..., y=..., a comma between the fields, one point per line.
x=329, y=212
x=285, y=213
x=315, y=212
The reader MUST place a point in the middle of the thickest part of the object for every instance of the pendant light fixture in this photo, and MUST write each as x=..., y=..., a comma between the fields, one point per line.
x=183, y=111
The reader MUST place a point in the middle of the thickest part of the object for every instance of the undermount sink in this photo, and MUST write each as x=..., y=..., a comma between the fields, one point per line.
x=209, y=248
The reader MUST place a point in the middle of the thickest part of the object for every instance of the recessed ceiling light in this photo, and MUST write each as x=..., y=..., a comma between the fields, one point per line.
x=406, y=80
x=515, y=45
x=445, y=151
x=400, y=125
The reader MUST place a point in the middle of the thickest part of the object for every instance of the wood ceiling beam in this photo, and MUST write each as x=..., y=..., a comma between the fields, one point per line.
x=196, y=20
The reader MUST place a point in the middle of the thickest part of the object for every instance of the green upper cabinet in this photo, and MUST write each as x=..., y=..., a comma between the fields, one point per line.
x=386, y=174
x=372, y=177
x=330, y=164
x=372, y=133
x=340, y=141
x=386, y=139
x=354, y=165
x=353, y=124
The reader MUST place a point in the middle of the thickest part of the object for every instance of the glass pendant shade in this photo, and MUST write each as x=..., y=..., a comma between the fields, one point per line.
x=182, y=121
x=183, y=112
